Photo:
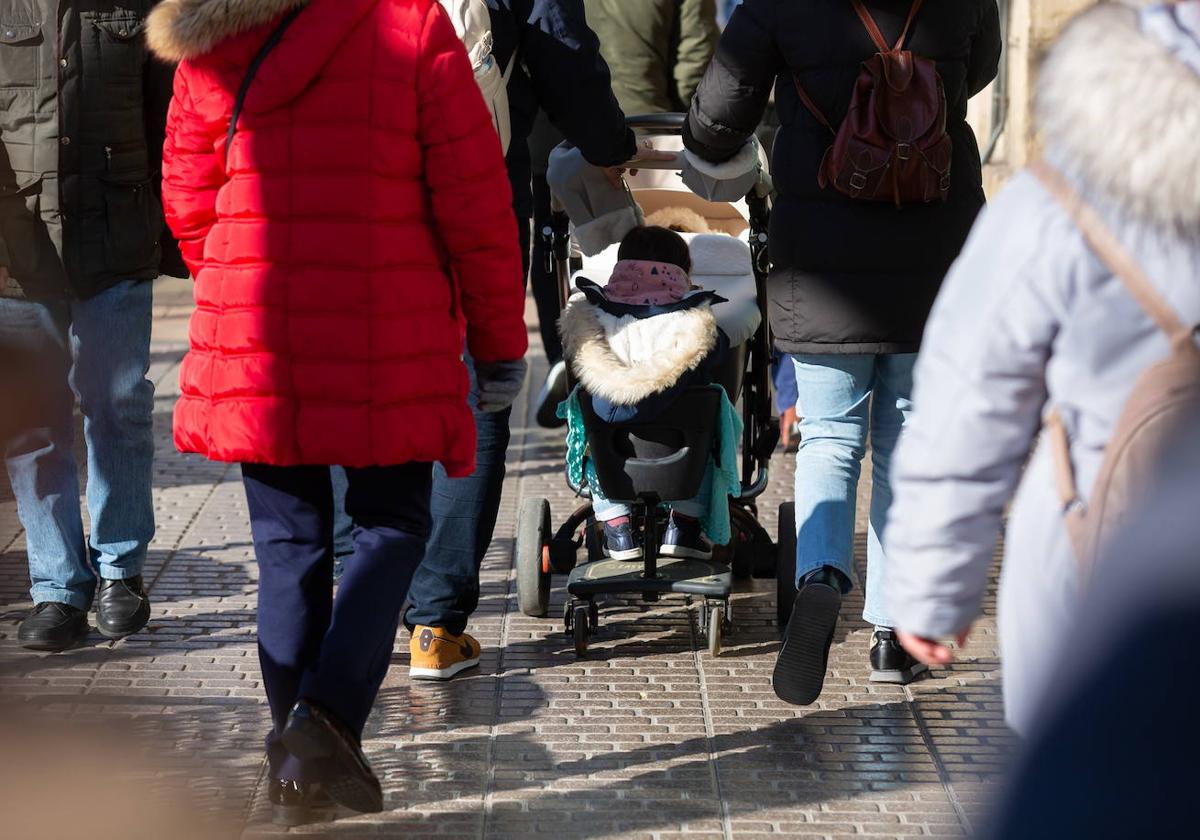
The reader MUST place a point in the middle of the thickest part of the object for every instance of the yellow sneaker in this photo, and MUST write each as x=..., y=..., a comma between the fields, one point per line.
x=438, y=654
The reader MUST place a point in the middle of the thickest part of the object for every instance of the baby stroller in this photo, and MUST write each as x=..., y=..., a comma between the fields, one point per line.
x=648, y=464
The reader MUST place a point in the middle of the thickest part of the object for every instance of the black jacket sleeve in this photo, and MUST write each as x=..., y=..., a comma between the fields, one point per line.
x=732, y=97
x=986, y=46
x=572, y=83
x=158, y=87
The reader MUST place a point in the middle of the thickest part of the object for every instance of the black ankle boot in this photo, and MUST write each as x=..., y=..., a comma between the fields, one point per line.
x=800, y=669
x=315, y=734
x=890, y=662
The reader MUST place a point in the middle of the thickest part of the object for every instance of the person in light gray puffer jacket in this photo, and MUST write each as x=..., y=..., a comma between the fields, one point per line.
x=1030, y=319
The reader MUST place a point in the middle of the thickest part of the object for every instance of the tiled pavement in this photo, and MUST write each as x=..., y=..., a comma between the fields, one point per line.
x=649, y=737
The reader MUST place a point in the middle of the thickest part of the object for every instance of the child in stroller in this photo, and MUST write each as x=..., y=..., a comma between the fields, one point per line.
x=635, y=345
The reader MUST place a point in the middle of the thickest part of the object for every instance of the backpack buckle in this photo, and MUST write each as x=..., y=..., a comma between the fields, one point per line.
x=944, y=183
x=858, y=181
x=904, y=151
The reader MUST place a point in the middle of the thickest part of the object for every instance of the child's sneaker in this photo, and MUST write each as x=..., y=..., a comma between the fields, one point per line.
x=437, y=654
x=620, y=542
x=685, y=538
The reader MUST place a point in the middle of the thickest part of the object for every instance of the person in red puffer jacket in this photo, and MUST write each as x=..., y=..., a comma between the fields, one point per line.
x=346, y=235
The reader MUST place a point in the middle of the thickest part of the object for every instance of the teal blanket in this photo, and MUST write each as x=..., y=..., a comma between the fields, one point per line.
x=725, y=481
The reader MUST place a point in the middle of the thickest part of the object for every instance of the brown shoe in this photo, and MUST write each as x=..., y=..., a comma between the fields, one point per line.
x=438, y=654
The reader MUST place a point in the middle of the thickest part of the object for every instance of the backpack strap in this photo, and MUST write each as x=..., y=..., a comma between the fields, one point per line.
x=877, y=35
x=812, y=106
x=912, y=16
x=272, y=41
x=872, y=27
x=1106, y=245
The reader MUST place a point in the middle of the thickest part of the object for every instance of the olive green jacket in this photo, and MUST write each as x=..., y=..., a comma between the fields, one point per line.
x=657, y=49
x=82, y=119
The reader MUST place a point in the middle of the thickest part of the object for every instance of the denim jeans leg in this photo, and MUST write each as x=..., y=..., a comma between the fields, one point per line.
x=110, y=344
x=891, y=406
x=833, y=399
x=39, y=451
x=343, y=526
x=445, y=589
x=606, y=511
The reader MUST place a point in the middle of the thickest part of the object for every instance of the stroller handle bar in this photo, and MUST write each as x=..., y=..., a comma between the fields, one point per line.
x=665, y=123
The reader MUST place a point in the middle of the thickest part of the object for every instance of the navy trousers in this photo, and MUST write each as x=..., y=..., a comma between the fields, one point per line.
x=334, y=652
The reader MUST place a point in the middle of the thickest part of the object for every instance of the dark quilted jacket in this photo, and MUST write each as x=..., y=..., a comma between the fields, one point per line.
x=848, y=276
x=82, y=112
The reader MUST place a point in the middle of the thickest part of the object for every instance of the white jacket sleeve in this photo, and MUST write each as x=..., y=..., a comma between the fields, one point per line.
x=979, y=395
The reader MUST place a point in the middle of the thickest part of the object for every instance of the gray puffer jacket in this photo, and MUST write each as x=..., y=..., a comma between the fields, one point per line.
x=83, y=111
x=1030, y=319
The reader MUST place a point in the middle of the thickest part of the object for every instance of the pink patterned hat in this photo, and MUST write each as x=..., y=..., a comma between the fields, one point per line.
x=647, y=283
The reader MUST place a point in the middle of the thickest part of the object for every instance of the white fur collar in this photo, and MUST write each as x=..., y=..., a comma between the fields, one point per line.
x=625, y=360
x=1121, y=115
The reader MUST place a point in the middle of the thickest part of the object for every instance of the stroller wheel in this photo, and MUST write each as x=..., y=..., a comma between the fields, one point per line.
x=785, y=568
x=716, y=615
x=531, y=557
x=582, y=625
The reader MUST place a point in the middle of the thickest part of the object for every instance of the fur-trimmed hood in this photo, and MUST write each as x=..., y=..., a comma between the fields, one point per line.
x=178, y=30
x=627, y=360
x=1121, y=114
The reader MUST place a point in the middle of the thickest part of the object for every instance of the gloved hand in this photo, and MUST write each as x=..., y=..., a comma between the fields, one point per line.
x=499, y=383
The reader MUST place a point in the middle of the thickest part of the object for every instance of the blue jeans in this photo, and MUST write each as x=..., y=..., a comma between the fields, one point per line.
x=333, y=651
x=844, y=401
x=104, y=345
x=445, y=590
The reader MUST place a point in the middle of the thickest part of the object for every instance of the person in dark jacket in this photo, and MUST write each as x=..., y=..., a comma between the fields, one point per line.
x=81, y=237
x=852, y=282
x=560, y=71
x=658, y=51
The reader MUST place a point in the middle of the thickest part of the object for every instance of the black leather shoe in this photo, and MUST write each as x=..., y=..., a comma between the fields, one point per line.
x=891, y=663
x=800, y=669
x=122, y=607
x=314, y=734
x=298, y=803
x=53, y=626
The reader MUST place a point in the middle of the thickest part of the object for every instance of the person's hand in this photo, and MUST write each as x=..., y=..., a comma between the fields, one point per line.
x=498, y=383
x=646, y=152
x=931, y=651
x=3, y=275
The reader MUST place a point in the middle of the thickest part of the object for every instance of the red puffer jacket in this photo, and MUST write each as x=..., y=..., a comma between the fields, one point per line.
x=362, y=220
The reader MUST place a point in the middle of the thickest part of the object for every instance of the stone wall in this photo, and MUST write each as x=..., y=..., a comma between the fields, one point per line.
x=1031, y=26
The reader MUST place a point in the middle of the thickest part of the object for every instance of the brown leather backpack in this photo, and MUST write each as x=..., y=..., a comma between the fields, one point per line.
x=893, y=144
x=1165, y=398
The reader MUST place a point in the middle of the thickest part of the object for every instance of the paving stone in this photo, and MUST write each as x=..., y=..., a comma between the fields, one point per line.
x=649, y=737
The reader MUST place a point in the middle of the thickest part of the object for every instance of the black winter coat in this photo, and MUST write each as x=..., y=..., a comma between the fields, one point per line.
x=848, y=276
x=560, y=71
x=83, y=116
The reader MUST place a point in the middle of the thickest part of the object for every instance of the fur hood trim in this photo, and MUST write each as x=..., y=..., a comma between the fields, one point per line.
x=178, y=30
x=626, y=360
x=1121, y=115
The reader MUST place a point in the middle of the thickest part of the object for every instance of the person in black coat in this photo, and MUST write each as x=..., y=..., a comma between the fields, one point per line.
x=852, y=282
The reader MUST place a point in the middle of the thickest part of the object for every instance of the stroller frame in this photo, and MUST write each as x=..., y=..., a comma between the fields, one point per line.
x=542, y=551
